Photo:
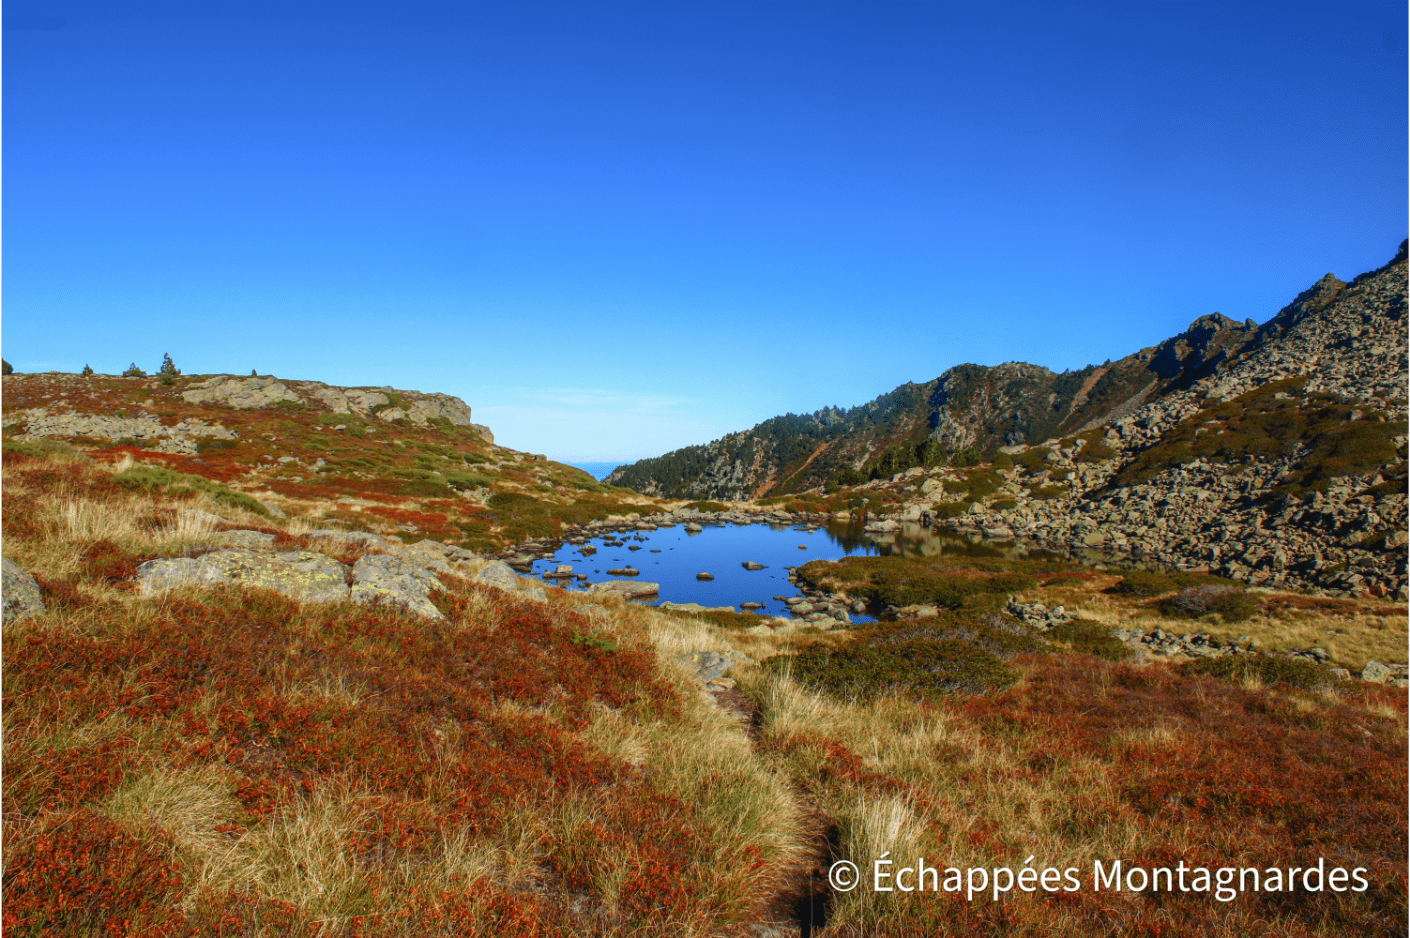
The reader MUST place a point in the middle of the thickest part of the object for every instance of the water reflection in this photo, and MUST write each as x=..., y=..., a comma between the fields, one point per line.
x=914, y=540
x=674, y=556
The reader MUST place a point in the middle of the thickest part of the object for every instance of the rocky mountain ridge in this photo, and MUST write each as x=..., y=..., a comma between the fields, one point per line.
x=973, y=408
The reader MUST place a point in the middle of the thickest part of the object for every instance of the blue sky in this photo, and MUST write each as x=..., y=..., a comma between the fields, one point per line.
x=615, y=229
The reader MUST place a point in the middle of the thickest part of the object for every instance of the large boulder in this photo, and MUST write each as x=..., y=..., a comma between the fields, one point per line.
x=21, y=597
x=298, y=574
x=1375, y=672
x=499, y=575
x=384, y=577
x=240, y=393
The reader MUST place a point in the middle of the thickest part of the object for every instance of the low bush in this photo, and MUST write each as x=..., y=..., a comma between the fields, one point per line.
x=1266, y=669
x=1143, y=583
x=155, y=478
x=897, y=581
x=924, y=668
x=1229, y=603
x=713, y=507
x=1047, y=492
x=464, y=481
x=1089, y=638
x=1033, y=459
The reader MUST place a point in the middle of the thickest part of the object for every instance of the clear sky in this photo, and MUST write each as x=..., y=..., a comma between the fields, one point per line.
x=617, y=228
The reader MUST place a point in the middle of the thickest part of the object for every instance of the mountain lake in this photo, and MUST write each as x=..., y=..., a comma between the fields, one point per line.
x=672, y=557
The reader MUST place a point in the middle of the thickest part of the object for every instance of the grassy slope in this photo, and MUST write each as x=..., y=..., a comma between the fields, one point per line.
x=234, y=762
x=443, y=482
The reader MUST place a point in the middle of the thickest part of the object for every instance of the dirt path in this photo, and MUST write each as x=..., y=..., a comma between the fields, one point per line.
x=803, y=905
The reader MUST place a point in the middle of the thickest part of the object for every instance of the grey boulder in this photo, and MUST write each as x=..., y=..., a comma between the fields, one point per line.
x=21, y=593
x=382, y=577
x=499, y=575
x=298, y=574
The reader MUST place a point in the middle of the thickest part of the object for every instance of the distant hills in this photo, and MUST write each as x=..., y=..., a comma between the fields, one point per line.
x=968, y=411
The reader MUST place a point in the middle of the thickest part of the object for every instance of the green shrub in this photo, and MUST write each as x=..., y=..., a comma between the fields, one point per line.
x=1047, y=492
x=713, y=507
x=6, y=368
x=1034, y=459
x=1089, y=638
x=593, y=641
x=949, y=509
x=903, y=581
x=464, y=481
x=134, y=372
x=152, y=478
x=1096, y=452
x=1144, y=583
x=27, y=449
x=521, y=516
x=1270, y=670
x=924, y=668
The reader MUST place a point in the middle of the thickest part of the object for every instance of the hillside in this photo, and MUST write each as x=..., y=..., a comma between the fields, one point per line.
x=971, y=410
x=405, y=463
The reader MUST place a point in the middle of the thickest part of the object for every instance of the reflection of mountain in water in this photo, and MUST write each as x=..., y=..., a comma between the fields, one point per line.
x=914, y=540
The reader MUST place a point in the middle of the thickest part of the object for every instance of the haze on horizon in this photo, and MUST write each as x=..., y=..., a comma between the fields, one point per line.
x=621, y=228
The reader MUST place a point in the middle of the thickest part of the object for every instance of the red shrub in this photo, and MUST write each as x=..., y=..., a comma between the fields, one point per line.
x=81, y=874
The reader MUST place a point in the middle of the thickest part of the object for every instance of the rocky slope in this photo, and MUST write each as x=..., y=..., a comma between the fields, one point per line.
x=1330, y=328
x=1287, y=465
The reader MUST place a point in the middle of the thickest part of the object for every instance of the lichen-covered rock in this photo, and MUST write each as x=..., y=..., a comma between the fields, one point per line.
x=21, y=597
x=384, y=577
x=240, y=393
x=298, y=574
x=180, y=438
x=1375, y=672
x=499, y=575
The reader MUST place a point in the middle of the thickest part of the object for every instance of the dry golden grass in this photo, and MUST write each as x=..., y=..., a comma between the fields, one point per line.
x=1351, y=632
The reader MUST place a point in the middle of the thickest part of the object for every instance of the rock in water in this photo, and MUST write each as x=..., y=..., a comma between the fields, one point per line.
x=704, y=576
x=21, y=593
x=630, y=589
x=751, y=565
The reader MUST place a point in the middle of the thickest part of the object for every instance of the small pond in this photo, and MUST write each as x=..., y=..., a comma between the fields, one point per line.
x=672, y=557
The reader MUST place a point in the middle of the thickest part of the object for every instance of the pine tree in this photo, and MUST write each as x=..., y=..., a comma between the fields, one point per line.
x=134, y=372
x=169, y=366
x=87, y=370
